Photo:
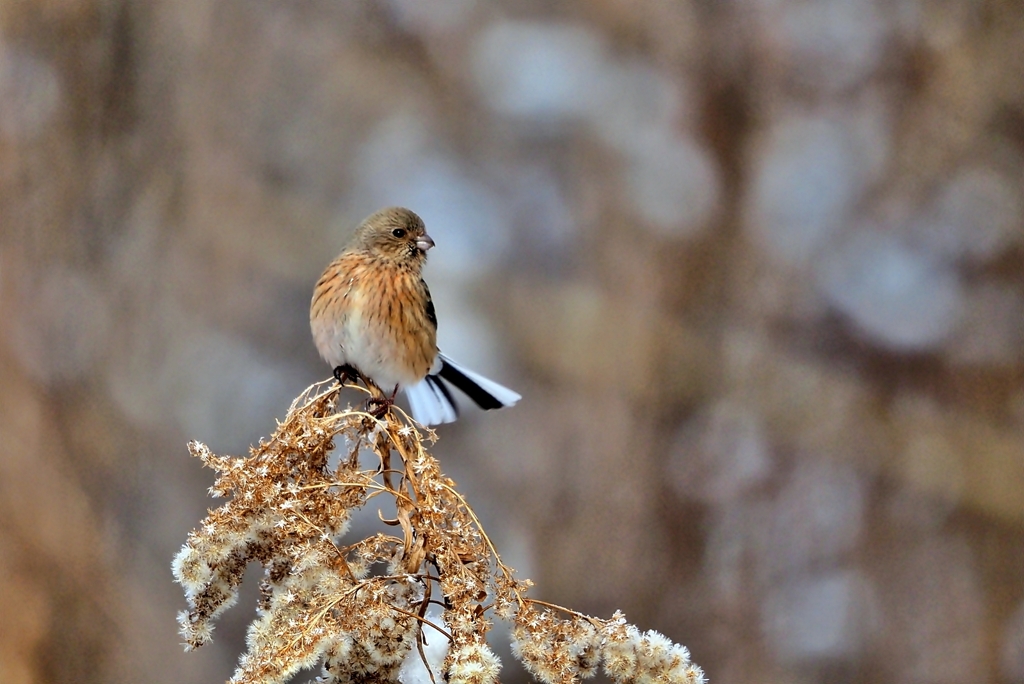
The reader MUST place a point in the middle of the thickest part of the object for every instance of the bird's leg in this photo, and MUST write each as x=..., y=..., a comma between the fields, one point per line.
x=378, y=403
x=378, y=406
x=344, y=373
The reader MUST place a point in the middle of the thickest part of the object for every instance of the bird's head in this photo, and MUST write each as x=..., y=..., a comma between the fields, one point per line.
x=394, y=233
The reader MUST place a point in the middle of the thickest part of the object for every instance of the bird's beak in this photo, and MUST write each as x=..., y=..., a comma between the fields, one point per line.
x=424, y=242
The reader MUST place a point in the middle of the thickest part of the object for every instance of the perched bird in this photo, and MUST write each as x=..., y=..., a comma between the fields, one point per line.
x=372, y=315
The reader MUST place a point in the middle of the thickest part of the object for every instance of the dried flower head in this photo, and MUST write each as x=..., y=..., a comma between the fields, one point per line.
x=289, y=510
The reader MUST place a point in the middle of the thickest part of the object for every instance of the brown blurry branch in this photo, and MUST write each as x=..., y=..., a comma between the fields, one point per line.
x=320, y=602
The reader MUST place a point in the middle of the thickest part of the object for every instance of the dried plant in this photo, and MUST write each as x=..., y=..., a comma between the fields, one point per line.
x=289, y=509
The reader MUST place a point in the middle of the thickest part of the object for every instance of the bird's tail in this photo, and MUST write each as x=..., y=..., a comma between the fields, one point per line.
x=432, y=403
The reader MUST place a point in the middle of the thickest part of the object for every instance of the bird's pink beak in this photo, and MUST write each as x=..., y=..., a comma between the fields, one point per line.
x=424, y=242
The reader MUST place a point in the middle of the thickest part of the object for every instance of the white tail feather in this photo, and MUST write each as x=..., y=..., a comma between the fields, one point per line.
x=429, y=406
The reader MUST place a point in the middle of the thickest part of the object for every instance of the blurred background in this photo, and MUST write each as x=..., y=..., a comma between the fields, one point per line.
x=755, y=266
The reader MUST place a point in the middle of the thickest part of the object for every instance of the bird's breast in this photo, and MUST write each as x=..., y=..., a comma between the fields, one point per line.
x=373, y=315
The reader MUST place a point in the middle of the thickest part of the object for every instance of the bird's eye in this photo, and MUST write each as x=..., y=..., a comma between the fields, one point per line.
x=398, y=232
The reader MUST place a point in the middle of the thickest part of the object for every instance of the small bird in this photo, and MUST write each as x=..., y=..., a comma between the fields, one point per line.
x=372, y=316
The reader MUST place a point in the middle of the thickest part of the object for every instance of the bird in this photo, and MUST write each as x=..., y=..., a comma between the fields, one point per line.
x=372, y=317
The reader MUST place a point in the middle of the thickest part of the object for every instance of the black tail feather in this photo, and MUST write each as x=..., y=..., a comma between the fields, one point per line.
x=478, y=394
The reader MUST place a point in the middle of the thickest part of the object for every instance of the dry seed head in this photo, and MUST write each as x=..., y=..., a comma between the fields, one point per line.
x=473, y=663
x=319, y=603
x=630, y=656
x=554, y=649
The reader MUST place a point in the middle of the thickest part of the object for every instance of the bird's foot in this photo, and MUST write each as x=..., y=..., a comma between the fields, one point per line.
x=344, y=373
x=379, y=406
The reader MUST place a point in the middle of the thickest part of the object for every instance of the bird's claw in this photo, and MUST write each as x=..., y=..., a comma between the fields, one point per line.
x=344, y=373
x=379, y=406
x=376, y=406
